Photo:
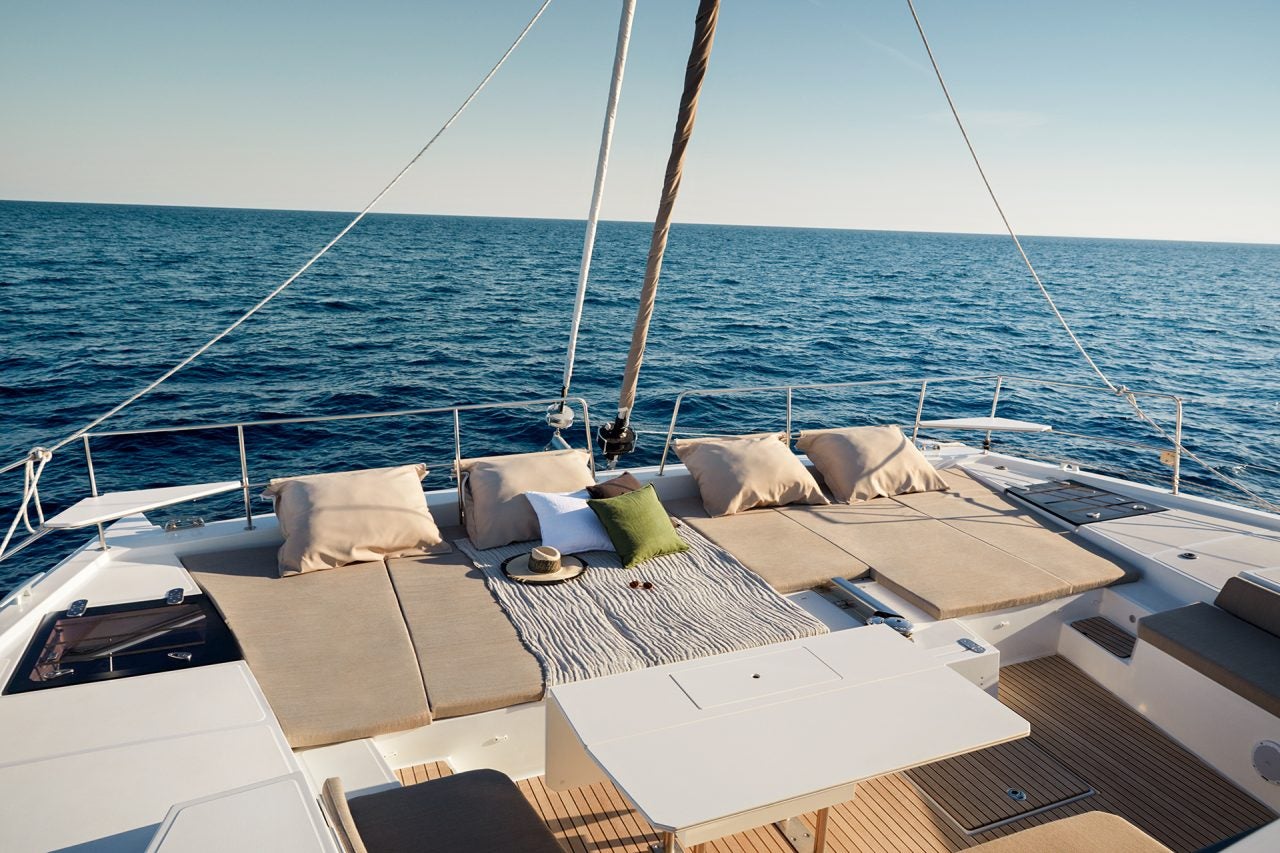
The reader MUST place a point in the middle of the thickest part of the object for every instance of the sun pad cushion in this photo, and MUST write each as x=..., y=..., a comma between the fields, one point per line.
x=329, y=649
x=1086, y=833
x=471, y=658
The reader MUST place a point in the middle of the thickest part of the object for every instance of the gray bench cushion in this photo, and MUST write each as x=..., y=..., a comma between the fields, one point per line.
x=1239, y=656
x=1254, y=603
x=471, y=658
x=329, y=648
x=1090, y=832
x=481, y=811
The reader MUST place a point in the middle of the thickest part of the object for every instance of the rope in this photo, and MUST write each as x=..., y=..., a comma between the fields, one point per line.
x=33, y=467
x=1120, y=390
x=597, y=192
x=318, y=255
x=695, y=72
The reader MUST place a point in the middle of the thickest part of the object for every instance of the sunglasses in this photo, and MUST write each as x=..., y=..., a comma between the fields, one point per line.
x=640, y=585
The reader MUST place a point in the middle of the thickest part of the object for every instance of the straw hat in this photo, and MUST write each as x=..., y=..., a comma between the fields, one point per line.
x=543, y=565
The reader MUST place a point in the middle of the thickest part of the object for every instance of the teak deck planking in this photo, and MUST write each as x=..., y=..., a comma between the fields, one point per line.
x=1136, y=771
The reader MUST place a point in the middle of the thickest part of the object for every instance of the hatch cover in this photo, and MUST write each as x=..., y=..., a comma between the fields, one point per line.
x=1078, y=503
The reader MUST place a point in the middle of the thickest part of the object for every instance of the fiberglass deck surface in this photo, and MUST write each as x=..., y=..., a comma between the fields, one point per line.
x=1137, y=773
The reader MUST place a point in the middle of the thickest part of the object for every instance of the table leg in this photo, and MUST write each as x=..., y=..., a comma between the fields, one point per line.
x=820, y=832
x=668, y=842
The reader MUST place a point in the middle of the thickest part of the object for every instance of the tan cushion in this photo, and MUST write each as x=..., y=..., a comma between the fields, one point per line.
x=497, y=512
x=334, y=798
x=860, y=463
x=331, y=520
x=788, y=555
x=1091, y=832
x=973, y=509
x=1254, y=603
x=471, y=658
x=740, y=473
x=942, y=571
x=330, y=649
x=1241, y=657
x=480, y=811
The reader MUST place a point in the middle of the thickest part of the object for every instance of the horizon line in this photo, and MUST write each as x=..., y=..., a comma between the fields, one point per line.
x=643, y=221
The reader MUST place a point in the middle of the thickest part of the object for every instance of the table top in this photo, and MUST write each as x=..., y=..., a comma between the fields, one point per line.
x=692, y=743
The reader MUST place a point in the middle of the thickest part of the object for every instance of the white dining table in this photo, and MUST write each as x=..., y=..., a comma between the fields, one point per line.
x=710, y=747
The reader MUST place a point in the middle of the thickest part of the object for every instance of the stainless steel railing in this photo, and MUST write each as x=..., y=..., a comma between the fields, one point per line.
x=1001, y=382
x=31, y=496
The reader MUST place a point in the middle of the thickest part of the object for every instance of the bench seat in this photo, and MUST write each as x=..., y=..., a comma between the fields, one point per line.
x=1228, y=641
x=329, y=648
x=471, y=657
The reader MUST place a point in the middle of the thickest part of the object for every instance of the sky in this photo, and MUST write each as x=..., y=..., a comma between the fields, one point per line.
x=1144, y=118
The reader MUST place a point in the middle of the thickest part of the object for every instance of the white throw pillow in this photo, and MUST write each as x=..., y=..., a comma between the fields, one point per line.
x=567, y=523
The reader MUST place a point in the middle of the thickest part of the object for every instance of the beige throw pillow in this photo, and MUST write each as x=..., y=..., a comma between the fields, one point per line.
x=331, y=520
x=738, y=473
x=497, y=512
x=860, y=463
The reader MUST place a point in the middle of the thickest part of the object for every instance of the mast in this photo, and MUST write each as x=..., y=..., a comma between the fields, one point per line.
x=618, y=438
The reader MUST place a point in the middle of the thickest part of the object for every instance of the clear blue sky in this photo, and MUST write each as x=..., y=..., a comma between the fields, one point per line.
x=1133, y=119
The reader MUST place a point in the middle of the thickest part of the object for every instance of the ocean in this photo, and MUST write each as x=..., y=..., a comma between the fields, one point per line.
x=423, y=311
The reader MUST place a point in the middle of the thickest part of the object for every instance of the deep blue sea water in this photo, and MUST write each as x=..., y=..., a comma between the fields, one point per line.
x=421, y=311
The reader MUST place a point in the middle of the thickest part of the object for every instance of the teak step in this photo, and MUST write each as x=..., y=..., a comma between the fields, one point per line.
x=1107, y=634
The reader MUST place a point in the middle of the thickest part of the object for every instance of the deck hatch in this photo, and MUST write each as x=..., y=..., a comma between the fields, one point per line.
x=1077, y=503
x=122, y=640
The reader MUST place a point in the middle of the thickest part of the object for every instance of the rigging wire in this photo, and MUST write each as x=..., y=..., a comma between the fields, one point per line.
x=352, y=224
x=597, y=192
x=1120, y=390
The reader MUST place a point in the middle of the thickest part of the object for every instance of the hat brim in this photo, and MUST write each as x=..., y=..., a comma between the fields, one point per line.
x=517, y=568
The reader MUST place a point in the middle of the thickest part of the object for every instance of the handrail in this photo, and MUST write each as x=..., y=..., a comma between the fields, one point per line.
x=240, y=428
x=1002, y=381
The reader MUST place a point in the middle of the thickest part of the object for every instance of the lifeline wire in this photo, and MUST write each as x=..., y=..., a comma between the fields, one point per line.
x=1120, y=390
x=352, y=224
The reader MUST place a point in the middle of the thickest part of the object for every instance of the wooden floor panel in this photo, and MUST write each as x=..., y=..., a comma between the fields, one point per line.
x=1136, y=771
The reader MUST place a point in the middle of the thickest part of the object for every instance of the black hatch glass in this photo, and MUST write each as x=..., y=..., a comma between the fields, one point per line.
x=1080, y=504
x=120, y=640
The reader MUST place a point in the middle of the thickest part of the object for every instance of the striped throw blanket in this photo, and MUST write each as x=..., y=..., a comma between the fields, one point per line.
x=702, y=602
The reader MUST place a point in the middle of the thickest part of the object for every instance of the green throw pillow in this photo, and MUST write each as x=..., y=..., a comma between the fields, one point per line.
x=638, y=526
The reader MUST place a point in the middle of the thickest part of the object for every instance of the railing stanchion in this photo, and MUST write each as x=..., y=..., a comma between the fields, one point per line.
x=788, y=415
x=915, y=430
x=671, y=431
x=457, y=463
x=995, y=401
x=93, y=491
x=1177, y=444
x=244, y=479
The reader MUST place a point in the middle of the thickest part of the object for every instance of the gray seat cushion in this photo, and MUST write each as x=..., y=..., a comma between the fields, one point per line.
x=481, y=811
x=1241, y=657
x=1254, y=603
x=471, y=658
x=329, y=648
